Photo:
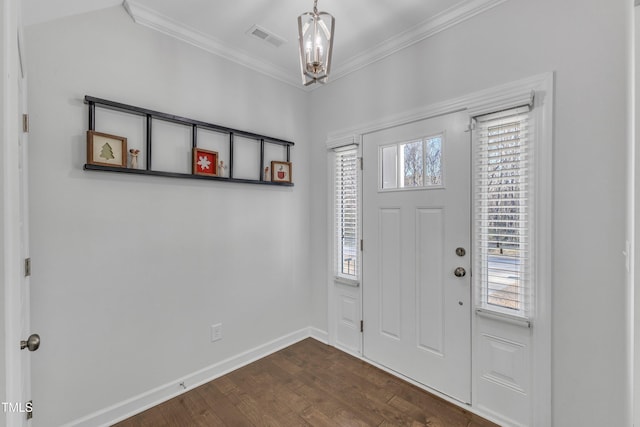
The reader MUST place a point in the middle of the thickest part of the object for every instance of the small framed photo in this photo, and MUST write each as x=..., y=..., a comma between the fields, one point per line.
x=205, y=162
x=106, y=150
x=280, y=171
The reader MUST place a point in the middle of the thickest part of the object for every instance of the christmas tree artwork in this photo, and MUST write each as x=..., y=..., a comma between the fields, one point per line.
x=107, y=152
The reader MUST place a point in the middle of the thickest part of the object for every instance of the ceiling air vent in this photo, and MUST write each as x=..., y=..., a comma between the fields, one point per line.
x=262, y=34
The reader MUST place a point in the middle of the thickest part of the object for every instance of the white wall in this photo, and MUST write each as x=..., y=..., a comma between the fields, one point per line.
x=129, y=272
x=586, y=44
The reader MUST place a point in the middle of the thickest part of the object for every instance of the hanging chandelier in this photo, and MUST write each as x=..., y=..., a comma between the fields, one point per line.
x=315, y=34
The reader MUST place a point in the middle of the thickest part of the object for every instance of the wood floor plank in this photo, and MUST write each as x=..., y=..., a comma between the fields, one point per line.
x=316, y=418
x=329, y=404
x=222, y=406
x=367, y=396
x=307, y=384
x=260, y=399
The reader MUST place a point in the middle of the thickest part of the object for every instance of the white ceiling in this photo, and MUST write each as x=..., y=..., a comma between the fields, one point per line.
x=366, y=30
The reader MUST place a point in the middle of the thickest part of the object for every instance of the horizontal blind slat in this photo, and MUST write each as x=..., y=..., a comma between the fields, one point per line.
x=501, y=208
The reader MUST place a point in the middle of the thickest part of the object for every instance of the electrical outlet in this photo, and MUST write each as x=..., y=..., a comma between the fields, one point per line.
x=216, y=332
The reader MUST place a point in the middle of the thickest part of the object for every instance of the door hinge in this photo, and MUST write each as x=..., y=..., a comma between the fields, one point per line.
x=361, y=163
x=25, y=123
x=29, y=408
x=27, y=267
x=361, y=245
x=362, y=326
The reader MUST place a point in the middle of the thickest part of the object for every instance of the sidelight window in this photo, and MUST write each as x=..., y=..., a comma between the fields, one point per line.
x=503, y=212
x=346, y=213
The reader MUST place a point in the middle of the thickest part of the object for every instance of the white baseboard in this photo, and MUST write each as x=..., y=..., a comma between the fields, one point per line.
x=125, y=409
x=319, y=335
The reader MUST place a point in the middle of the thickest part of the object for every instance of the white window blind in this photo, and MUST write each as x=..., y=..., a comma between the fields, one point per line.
x=503, y=212
x=346, y=216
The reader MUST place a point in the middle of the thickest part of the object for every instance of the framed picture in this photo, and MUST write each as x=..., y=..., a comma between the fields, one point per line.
x=280, y=171
x=106, y=150
x=205, y=162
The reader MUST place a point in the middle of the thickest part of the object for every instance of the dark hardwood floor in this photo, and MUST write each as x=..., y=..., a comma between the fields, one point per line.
x=307, y=384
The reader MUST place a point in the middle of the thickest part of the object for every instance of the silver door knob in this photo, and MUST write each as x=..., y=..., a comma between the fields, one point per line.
x=460, y=272
x=32, y=343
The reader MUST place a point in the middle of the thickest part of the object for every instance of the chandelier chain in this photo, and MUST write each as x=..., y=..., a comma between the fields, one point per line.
x=315, y=6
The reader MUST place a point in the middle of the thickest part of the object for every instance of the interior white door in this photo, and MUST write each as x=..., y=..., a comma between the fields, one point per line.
x=25, y=284
x=417, y=312
x=16, y=239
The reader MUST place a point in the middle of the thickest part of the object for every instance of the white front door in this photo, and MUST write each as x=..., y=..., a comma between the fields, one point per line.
x=416, y=214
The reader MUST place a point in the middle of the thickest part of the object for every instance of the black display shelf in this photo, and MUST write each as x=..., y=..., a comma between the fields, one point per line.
x=152, y=115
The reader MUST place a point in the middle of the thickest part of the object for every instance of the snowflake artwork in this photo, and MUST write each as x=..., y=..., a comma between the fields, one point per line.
x=205, y=162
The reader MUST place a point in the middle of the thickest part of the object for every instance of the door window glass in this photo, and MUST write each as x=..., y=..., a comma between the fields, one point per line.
x=415, y=164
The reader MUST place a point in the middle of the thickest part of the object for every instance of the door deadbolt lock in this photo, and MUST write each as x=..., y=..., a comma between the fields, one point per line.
x=461, y=252
x=460, y=272
x=32, y=343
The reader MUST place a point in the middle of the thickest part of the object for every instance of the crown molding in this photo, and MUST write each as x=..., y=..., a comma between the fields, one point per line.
x=150, y=18
x=456, y=14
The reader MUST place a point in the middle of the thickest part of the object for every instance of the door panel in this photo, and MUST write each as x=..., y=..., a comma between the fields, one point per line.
x=391, y=272
x=430, y=293
x=348, y=316
x=416, y=311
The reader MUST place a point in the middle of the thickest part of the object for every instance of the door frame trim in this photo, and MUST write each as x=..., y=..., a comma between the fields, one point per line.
x=11, y=268
x=492, y=99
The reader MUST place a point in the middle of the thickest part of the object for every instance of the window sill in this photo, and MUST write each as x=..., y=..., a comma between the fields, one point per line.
x=507, y=318
x=345, y=281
